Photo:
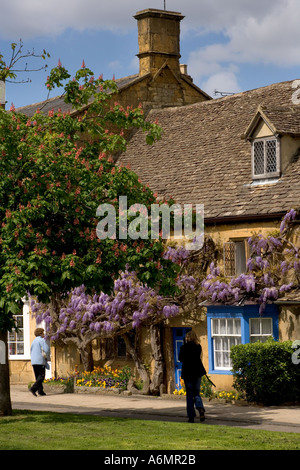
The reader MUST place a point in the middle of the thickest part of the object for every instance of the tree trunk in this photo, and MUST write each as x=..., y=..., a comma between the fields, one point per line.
x=158, y=373
x=86, y=355
x=5, y=402
x=139, y=365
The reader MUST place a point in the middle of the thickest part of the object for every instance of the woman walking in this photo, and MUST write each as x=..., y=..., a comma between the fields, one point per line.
x=192, y=371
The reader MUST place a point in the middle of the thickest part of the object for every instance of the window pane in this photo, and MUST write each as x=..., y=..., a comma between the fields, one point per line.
x=263, y=339
x=240, y=257
x=20, y=335
x=254, y=339
x=266, y=326
x=226, y=359
x=254, y=326
x=218, y=343
x=215, y=327
x=237, y=327
x=12, y=336
x=218, y=359
x=230, y=326
x=222, y=326
x=229, y=259
x=227, y=343
x=271, y=156
x=259, y=158
x=12, y=349
x=19, y=321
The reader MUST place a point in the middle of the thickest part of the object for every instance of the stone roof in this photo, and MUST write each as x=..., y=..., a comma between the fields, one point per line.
x=281, y=120
x=57, y=102
x=286, y=120
x=202, y=157
x=292, y=297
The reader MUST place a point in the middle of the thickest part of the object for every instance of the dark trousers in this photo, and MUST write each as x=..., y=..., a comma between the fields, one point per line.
x=39, y=372
x=193, y=399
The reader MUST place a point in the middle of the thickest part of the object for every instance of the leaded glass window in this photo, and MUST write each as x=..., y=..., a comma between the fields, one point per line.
x=266, y=161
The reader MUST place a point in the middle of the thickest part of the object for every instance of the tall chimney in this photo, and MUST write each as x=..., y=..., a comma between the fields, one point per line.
x=159, y=40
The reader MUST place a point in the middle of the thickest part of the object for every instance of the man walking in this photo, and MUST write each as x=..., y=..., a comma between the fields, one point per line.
x=40, y=353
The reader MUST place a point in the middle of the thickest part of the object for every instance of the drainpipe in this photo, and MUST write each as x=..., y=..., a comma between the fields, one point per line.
x=2, y=94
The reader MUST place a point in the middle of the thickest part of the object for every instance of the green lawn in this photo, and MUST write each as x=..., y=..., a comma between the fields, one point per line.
x=28, y=430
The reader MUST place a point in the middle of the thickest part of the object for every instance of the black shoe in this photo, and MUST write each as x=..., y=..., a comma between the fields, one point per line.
x=191, y=420
x=42, y=394
x=33, y=392
x=202, y=415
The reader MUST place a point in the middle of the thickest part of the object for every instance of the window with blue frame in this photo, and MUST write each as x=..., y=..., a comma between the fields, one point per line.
x=231, y=325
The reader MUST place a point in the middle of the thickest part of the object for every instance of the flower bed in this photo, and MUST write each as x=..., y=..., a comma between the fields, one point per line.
x=105, y=378
x=207, y=392
x=101, y=378
x=57, y=385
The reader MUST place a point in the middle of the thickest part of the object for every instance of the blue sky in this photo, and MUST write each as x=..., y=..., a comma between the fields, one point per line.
x=228, y=45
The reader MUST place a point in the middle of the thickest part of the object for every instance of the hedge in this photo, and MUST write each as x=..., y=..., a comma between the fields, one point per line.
x=265, y=372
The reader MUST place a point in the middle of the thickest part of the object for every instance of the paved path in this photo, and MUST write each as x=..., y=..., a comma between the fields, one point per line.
x=282, y=419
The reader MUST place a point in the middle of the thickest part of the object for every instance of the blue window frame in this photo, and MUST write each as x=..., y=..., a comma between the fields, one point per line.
x=228, y=325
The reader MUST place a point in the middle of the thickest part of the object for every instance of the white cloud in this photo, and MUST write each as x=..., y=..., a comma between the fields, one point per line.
x=255, y=32
x=39, y=17
x=268, y=36
x=32, y=18
x=222, y=82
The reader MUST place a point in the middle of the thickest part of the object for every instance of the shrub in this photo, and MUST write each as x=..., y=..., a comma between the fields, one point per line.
x=265, y=372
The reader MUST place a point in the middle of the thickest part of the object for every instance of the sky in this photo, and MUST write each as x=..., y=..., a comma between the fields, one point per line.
x=229, y=46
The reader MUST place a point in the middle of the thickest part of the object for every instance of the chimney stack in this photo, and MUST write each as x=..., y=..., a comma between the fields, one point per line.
x=159, y=40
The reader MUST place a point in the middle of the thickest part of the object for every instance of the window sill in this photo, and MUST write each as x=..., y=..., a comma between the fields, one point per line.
x=220, y=372
x=19, y=358
x=262, y=181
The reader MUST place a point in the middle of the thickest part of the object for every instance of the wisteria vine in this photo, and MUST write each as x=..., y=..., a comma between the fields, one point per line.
x=130, y=304
x=272, y=269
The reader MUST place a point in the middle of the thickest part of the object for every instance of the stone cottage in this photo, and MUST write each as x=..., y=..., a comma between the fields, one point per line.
x=239, y=157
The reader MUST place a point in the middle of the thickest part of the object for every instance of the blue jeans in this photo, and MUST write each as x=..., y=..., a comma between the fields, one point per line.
x=193, y=399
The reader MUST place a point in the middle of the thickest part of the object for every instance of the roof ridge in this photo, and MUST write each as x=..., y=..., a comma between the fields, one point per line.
x=231, y=97
x=47, y=100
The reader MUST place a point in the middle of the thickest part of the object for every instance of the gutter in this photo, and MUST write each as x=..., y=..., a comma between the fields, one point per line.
x=242, y=218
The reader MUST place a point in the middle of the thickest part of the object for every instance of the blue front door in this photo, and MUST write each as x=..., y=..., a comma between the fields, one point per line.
x=178, y=340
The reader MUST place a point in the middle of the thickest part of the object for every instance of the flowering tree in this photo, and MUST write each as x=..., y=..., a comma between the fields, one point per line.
x=8, y=73
x=272, y=269
x=56, y=169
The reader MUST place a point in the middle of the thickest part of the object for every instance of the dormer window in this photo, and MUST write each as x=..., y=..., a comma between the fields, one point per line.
x=265, y=157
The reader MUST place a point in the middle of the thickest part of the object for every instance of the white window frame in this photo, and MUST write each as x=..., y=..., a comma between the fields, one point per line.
x=266, y=174
x=263, y=336
x=26, y=334
x=224, y=336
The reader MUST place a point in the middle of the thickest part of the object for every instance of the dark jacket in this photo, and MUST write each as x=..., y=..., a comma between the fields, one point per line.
x=190, y=356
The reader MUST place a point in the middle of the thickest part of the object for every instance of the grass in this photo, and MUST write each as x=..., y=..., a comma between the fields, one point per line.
x=28, y=430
